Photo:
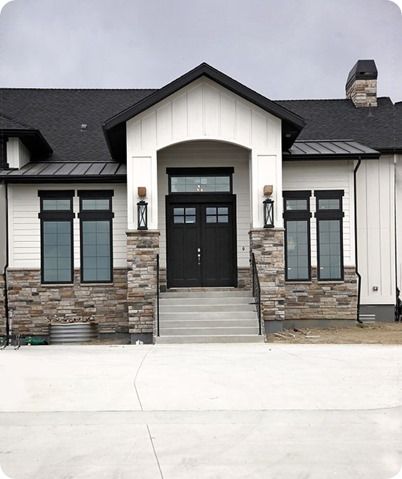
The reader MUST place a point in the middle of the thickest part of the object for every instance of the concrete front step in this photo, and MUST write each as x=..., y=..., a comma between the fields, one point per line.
x=207, y=323
x=207, y=308
x=216, y=331
x=247, y=338
x=172, y=300
x=211, y=315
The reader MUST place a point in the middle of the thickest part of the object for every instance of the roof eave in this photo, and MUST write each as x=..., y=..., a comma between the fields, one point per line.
x=317, y=157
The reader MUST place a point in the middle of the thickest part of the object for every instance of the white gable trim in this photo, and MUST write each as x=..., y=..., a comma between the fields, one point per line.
x=204, y=110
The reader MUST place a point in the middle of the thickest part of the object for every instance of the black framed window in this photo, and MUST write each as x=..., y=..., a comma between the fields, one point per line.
x=329, y=217
x=297, y=235
x=200, y=180
x=96, y=236
x=56, y=226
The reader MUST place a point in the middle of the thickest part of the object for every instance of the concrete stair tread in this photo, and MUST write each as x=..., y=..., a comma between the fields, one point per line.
x=223, y=338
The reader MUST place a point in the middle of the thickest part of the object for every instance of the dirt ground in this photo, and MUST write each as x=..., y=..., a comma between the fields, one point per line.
x=383, y=333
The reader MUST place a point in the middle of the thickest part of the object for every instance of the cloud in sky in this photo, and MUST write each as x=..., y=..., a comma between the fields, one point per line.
x=283, y=49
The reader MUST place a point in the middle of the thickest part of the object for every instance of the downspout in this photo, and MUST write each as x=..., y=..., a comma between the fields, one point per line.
x=5, y=277
x=397, y=300
x=359, y=278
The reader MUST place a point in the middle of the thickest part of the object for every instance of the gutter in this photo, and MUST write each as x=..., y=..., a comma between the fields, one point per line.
x=6, y=310
x=359, y=278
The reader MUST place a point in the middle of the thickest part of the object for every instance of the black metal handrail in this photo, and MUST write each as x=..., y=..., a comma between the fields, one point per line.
x=256, y=291
x=157, y=293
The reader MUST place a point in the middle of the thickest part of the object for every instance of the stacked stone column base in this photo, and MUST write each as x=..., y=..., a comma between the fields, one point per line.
x=142, y=250
x=268, y=247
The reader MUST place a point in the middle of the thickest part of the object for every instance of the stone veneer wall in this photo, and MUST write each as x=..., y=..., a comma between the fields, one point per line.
x=2, y=308
x=324, y=300
x=268, y=248
x=34, y=306
x=142, y=249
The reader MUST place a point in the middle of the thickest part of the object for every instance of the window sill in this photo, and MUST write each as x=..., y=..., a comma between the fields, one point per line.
x=295, y=282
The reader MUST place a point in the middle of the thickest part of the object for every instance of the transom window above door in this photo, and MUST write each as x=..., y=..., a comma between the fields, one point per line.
x=200, y=180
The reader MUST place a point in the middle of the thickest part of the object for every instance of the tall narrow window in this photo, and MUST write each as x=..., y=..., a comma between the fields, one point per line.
x=329, y=217
x=297, y=235
x=96, y=236
x=56, y=215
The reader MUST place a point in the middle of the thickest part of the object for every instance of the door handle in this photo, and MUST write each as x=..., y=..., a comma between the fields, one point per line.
x=198, y=256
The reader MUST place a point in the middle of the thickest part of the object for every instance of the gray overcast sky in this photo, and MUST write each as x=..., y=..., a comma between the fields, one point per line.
x=281, y=48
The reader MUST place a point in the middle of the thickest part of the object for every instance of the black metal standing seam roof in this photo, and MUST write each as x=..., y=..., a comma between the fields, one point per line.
x=69, y=171
x=330, y=149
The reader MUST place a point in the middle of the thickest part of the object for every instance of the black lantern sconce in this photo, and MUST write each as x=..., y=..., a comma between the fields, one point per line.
x=268, y=205
x=142, y=209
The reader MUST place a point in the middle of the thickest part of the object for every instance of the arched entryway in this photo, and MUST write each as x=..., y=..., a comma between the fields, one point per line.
x=204, y=213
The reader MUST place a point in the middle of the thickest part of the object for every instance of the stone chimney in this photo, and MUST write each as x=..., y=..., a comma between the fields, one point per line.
x=361, y=85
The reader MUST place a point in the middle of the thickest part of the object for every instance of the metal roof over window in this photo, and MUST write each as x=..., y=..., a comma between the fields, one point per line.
x=330, y=149
x=71, y=171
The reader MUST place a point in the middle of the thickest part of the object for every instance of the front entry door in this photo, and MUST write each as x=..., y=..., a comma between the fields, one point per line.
x=201, y=249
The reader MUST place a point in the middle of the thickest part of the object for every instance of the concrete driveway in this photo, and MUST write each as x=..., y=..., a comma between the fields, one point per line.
x=201, y=411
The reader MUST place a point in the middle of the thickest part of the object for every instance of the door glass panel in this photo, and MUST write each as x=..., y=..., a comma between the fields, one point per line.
x=184, y=215
x=217, y=214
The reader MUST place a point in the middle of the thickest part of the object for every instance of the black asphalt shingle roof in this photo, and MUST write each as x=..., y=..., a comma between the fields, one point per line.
x=59, y=113
x=376, y=127
x=8, y=123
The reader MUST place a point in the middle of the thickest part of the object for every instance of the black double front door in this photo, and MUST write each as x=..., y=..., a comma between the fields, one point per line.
x=201, y=240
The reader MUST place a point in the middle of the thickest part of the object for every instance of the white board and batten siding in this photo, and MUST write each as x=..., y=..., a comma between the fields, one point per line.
x=376, y=230
x=24, y=224
x=203, y=110
x=325, y=175
x=210, y=154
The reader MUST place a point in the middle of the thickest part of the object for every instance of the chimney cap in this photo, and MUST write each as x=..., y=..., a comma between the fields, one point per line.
x=363, y=70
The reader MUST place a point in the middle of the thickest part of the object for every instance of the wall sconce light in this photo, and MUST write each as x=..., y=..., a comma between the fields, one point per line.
x=142, y=209
x=268, y=205
x=142, y=215
x=268, y=213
